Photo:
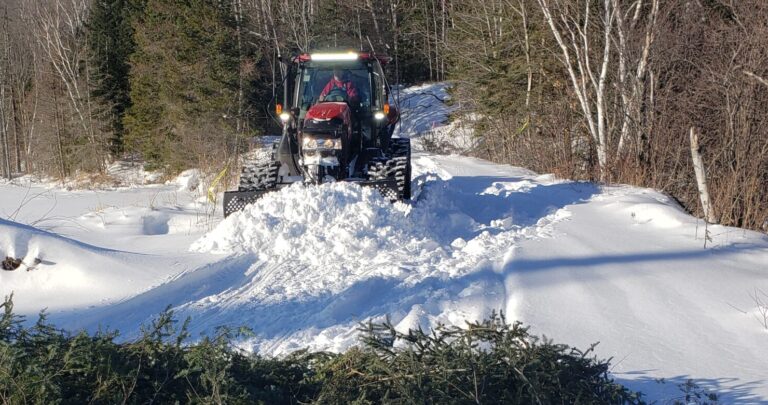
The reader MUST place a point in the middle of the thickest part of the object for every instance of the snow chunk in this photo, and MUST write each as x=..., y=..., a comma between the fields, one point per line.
x=188, y=180
x=505, y=188
x=458, y=243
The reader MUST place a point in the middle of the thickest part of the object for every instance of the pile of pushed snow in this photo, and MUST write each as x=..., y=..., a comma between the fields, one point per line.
x=310, y=262
x=425, y=119
x=316, y=241
x=319, y=225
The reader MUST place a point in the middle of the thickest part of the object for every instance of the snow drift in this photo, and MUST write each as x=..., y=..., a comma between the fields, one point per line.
x=62, y=273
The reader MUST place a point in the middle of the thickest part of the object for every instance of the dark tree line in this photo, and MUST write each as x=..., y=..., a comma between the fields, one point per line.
x=178, y=83
x=597, y=89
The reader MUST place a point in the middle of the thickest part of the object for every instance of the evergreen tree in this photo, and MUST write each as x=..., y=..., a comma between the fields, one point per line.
x=335, y=26
x=111, y=43
x=183, y=81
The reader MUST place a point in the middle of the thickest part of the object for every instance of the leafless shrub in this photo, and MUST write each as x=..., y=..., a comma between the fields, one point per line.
x=760, y=298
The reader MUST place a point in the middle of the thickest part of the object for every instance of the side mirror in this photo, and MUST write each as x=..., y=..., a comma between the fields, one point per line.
x=393, y=115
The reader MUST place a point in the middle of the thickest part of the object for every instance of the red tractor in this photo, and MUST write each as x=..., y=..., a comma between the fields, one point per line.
x=337, y=126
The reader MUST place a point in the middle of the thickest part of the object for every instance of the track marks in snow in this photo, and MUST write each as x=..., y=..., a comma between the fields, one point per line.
x=305, y=264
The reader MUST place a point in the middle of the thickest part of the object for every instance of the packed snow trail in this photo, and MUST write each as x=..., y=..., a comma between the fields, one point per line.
x=577, y=262
x=307, y=264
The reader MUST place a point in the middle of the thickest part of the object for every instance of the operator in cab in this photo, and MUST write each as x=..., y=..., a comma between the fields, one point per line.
x=339, y=88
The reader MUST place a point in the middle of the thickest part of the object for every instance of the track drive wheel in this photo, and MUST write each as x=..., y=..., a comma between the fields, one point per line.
x=259, y=176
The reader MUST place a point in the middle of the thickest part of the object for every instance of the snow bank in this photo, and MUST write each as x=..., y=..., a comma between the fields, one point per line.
x=422, y=108
x=63, y=273
x=128, y=173
x=424, y=119
x=306, y=264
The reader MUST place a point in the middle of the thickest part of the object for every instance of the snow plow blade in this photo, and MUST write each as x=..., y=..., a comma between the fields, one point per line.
x=237, y=200
x=387, y=188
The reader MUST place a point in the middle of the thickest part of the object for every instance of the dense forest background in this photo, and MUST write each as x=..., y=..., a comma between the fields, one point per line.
x=608, y=90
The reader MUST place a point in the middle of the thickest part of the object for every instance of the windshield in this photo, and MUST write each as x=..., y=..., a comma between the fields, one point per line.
x=317, y=83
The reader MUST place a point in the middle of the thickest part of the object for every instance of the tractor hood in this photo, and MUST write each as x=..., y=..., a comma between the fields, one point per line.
x=330, y=119
x=328, y=111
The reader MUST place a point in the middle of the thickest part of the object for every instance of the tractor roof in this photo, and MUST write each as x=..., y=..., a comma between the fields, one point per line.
x=341, y=57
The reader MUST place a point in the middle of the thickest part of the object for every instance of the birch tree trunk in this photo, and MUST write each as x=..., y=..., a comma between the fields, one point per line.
x=632, y=83
x=701, y=178
x=527, y=47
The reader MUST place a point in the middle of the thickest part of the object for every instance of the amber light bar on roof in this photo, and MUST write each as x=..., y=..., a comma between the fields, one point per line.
x=334, y=56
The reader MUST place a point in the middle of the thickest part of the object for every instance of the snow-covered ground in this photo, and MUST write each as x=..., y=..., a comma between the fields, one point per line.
x=424, y=112
x=579, y=263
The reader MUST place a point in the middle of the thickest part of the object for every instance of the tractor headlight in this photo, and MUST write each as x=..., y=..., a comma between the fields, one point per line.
x=332, y=143
x=310, y=143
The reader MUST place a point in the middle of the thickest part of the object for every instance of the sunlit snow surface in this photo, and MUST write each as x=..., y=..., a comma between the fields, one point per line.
x=302, y=267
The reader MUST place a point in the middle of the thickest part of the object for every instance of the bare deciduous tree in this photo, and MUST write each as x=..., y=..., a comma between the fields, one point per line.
x=60, y=31
x=572, y=26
